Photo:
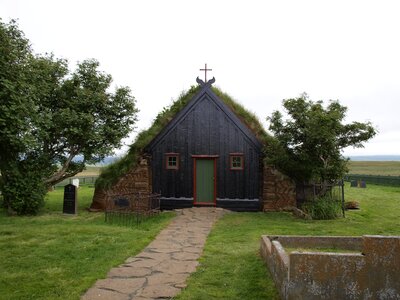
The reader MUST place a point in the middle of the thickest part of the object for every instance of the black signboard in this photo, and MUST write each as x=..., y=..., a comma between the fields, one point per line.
x=70, y=196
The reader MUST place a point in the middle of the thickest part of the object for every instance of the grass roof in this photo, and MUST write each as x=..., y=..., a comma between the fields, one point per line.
x=112, y=172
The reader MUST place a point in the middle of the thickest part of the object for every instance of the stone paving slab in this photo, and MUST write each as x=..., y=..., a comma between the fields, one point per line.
x=161, y=269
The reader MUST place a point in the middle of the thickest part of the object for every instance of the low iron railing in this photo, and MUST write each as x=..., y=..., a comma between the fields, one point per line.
x=311, y=192
x=130, y=208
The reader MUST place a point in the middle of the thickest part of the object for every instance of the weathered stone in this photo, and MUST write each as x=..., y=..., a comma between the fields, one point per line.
x=128, y=272
x=100, y=294
x=159, y=291
x=162, y=278
x=164, y=250
x=278, y=190
x=185, y=256
x=352, y=205
x=136, y=180
x=372, y=273
x=297, y=212
x=121, y=285
x=132, y=259
x=157, y=244
x=141, y=184
x=192, y=250
x=154, y=255
x=161, y=269
x=145, y=263
x=173, y=267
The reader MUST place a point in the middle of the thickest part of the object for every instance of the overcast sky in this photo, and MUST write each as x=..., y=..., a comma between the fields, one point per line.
x=260, y=51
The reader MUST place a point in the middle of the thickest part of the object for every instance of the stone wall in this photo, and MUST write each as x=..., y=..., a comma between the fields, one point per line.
x=372, y=273
x=279, y=191
x=136, y=180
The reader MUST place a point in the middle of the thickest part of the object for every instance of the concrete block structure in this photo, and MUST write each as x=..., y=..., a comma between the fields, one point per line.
x=366, y=267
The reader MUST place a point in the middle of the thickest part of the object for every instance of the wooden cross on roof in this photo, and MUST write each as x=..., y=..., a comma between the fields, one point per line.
x=205, y=72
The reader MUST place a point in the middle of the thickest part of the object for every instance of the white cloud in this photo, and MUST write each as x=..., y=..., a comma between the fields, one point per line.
x=260, y=51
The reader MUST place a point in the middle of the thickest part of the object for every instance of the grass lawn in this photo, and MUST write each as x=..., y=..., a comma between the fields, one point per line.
x=231, y=267
x=53, y=256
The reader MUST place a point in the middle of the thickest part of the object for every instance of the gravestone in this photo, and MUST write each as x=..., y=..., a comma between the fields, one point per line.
x=353, y=183
x=75, y=182
x=70, y=197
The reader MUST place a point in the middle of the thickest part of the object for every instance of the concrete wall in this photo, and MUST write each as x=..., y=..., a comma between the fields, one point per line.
x=277, y=261
x=136, y=180
x=279, y=191
x=374, y=273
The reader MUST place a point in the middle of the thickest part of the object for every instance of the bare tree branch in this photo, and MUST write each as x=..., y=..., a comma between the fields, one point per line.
x=60, y=175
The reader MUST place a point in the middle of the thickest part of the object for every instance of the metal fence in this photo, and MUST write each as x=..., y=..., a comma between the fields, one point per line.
x=83, y=180
x=129, y=208
x=311, y=192
x=374, y=179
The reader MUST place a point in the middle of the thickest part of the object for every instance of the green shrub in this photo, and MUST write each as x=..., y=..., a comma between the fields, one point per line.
x=323, y=208
x=23, y=192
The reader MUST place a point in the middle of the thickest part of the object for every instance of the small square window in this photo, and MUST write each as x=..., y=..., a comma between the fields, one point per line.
x=172, y=161
x=236, y=161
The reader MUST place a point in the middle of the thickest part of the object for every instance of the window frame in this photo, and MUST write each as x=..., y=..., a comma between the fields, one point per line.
x=231, y=157
x=167, y=157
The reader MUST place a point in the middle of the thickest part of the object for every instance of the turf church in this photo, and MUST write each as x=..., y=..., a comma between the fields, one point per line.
x=206, y=155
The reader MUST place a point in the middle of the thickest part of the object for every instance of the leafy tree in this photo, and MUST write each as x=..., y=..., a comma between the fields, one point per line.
x=309, y=144
x=49, y=117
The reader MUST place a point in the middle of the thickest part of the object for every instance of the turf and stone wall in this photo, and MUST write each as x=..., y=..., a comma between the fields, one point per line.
x=279, y=191
x=372, y=273
x=138, y=179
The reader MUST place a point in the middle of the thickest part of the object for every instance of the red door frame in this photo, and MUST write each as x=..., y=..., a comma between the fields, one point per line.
x=213, y=157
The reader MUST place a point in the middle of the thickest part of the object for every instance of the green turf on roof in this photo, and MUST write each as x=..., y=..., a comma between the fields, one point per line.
x=112, y=172
x=247, y=117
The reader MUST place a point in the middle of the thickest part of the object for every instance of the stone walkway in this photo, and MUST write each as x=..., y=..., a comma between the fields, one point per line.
x=161, y=269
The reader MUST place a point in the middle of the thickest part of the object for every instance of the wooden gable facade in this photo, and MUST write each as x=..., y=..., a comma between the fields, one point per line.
x=206, y=156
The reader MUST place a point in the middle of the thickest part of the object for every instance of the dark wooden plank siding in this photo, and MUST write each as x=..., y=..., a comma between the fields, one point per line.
x=206, y=130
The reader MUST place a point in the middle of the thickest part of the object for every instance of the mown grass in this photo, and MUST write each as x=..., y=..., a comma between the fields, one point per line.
x=231, y=267
x=383, y=168
x=54, y=256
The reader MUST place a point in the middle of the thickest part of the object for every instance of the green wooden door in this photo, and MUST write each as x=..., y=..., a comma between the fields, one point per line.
x=205, y=180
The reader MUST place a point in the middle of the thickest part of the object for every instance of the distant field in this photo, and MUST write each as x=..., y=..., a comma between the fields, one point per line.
x=384, y=168
x=90, y=171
